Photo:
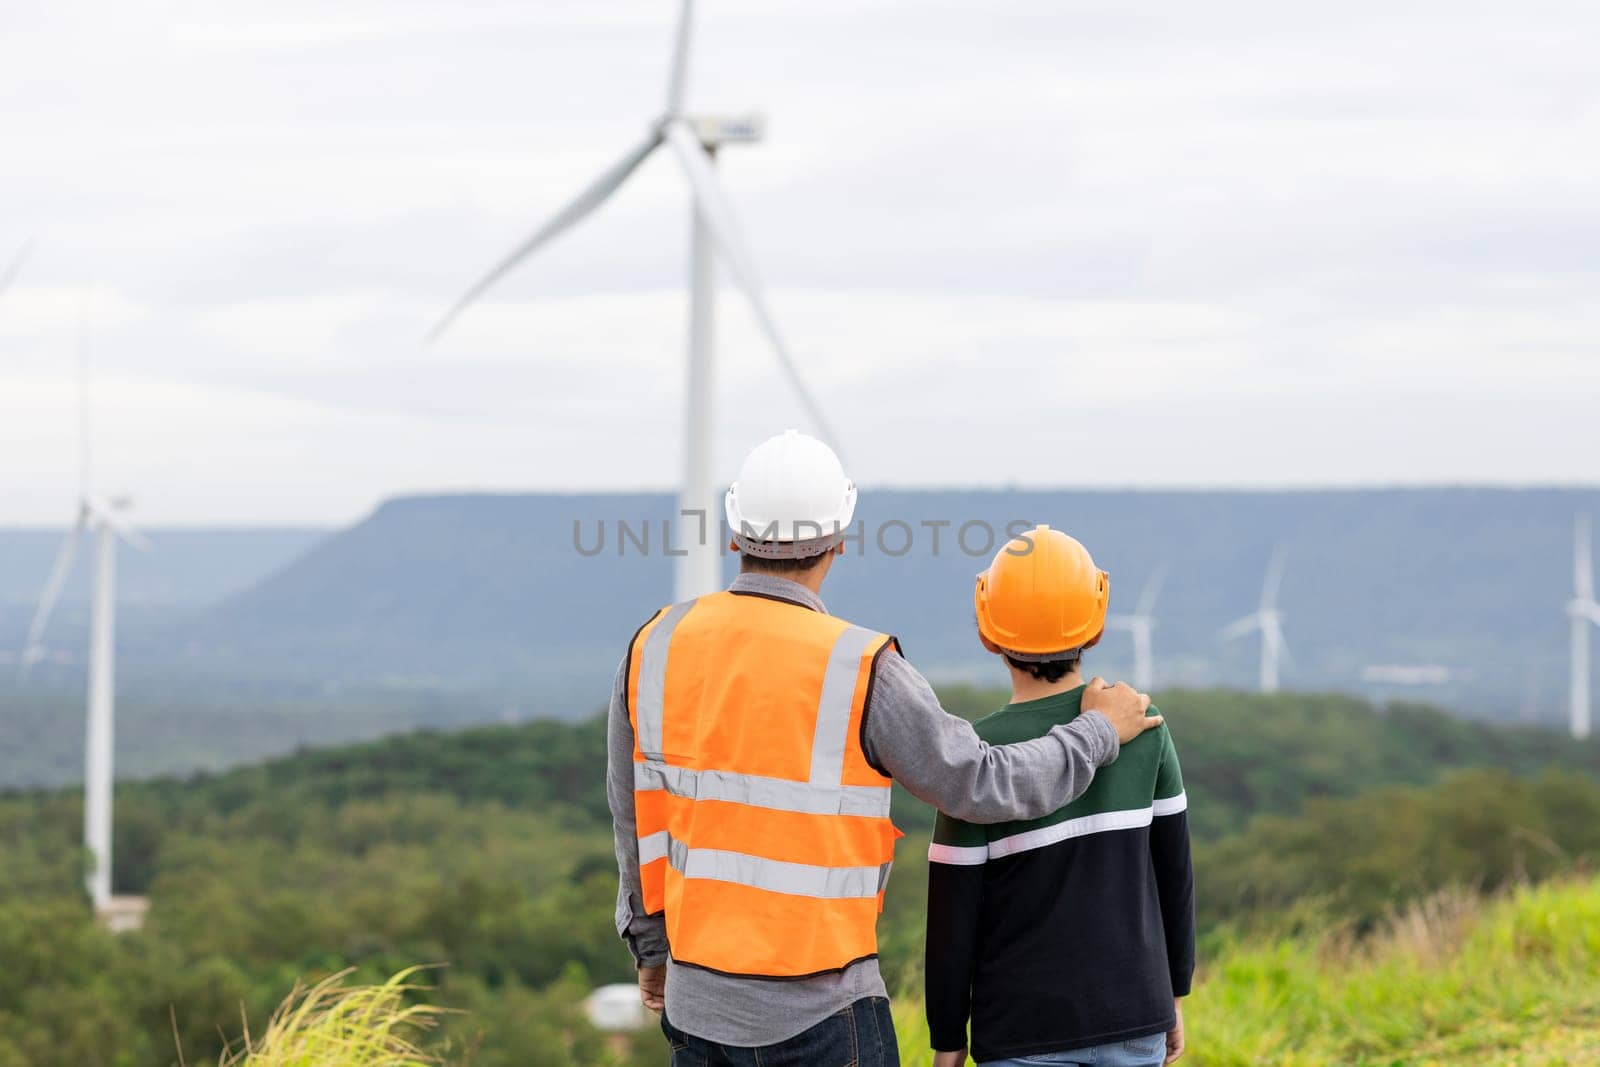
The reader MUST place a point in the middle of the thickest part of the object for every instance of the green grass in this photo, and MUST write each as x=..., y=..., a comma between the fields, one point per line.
x=1457, y=980
x=332, y=1024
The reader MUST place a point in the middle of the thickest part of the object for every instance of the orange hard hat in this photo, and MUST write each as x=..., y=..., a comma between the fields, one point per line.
x=1042, y=596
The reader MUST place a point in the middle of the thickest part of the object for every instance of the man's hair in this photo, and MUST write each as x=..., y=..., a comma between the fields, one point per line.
x=749, y=564
x=1051, y=671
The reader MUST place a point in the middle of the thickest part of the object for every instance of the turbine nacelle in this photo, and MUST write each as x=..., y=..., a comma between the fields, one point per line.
x=714, y=130
x=109, y=513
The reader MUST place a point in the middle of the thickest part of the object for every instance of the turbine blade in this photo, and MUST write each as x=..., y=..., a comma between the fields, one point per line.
x=1152, y=589
x=1274, y=581
x=592, y=197
x=65, y=557
x=718, y=213
x=15, y=266
x=1582, y=561
x=677, y=80
x=1239, y=627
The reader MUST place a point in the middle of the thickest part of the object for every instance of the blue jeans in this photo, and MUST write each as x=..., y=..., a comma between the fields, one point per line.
x=861, y=1035
x=1134, y=1052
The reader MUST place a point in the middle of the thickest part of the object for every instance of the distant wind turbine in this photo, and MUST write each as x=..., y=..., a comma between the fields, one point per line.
x=1583, y=612
x=1269, y=621
x=15, y=266
x=694, y=141
x=100, y=517
x=1141, y=624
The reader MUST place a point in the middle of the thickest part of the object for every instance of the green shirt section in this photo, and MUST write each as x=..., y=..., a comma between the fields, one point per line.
x=1124, y=795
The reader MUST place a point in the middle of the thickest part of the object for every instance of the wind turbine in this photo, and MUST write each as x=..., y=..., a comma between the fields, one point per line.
x=1269, y=621
x=100, y=518
x=1582, y=611
x=1141, y=625
x=694, y=141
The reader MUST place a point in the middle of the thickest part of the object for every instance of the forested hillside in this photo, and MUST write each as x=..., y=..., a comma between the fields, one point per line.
x=490, y=850
x=1244, y=753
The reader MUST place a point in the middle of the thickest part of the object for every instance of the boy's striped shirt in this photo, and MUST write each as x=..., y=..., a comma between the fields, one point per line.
x=1071, y=930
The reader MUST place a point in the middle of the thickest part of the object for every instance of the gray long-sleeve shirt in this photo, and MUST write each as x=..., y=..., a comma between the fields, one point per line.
x=935, y=755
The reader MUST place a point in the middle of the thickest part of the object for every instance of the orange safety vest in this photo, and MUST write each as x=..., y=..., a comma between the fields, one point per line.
x=764, y=833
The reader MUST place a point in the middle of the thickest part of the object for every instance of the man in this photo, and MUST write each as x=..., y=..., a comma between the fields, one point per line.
x=752, y=742
x=1066, y=939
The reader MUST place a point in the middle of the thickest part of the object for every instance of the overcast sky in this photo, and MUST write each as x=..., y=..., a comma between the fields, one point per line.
x=1042, y=243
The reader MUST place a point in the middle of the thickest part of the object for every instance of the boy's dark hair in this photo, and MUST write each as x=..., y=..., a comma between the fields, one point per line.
x=1052, y=671
x=749, y=564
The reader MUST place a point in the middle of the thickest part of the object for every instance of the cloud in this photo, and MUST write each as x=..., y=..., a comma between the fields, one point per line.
x=979, y=223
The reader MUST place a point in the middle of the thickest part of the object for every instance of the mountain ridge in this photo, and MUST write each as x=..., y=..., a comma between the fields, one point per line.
x=488, y=591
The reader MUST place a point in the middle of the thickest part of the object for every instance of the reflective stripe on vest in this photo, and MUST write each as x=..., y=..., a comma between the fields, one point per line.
x=653, y=679
x=775, y=876
x=779, y=794
x=828, y=870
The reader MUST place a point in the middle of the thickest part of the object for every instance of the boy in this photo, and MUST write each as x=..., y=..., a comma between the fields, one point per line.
x=1066, y=939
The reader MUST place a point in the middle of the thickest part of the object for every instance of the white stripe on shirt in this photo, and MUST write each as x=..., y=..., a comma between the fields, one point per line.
x=1026, y=841
x=1171, y=805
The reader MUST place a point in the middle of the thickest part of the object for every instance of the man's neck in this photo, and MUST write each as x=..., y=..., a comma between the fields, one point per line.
x=1025, y=687
x=775, y=585
x=811, y=577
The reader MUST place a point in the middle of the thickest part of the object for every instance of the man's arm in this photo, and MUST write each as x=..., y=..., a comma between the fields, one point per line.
x=1169, y=853
x=646, y=935
x=955, y=901
x=943, y=762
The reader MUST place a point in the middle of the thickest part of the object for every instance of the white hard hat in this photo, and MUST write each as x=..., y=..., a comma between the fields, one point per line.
x=791, y=499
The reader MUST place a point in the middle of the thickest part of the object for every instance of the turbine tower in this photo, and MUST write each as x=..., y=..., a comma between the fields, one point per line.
x=1269, y=621
x=714, y=229
x=1141, y=624
x=100, y=518
x=1583, y=612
